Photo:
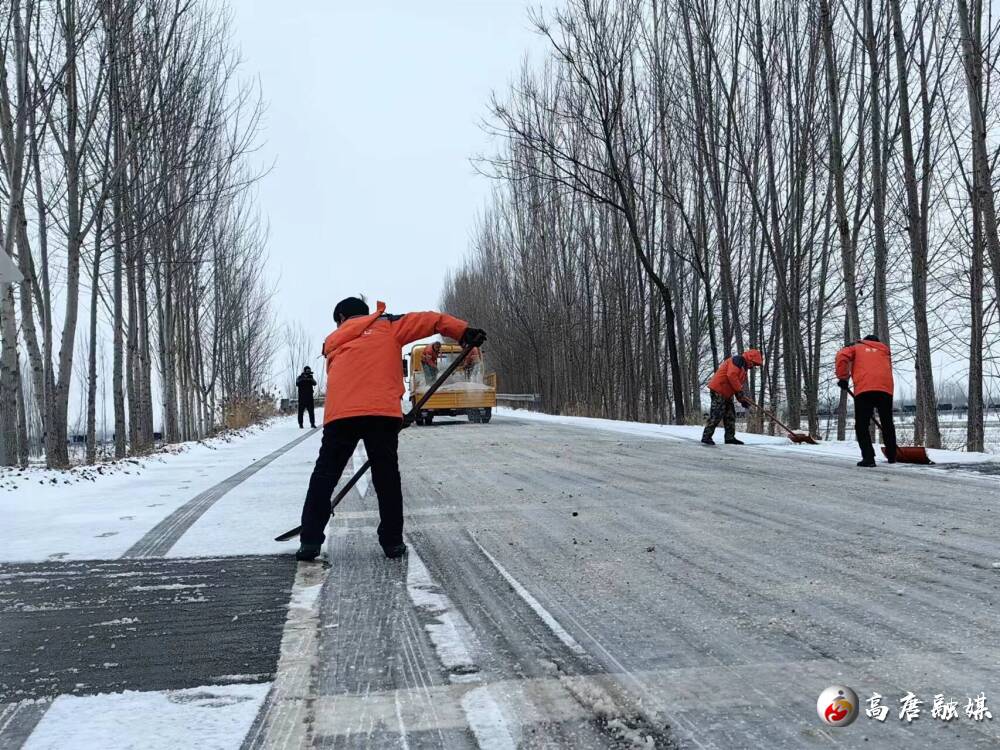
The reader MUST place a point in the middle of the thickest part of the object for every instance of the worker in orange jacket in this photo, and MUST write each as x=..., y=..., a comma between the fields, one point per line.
x=429, y=362
x=869, y=363
x=363, y=398
x=729, y=381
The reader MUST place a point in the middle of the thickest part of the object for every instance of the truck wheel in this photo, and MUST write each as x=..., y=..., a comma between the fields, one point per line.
x=473, y=416
x=428, y=419
x=486, y=415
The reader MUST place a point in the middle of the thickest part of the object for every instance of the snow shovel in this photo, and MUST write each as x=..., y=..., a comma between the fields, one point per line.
x=407, y=421
x=795, y=437
x=905, y=454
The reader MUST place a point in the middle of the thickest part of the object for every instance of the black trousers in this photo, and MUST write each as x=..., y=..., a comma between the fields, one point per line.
x=307, y=406
x=340, y=438
x=865, y=405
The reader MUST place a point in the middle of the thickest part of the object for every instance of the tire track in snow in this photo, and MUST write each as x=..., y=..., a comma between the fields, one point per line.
x=158, y=540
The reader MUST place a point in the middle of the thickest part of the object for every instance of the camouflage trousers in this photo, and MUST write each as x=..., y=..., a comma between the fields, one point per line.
x=722, y=410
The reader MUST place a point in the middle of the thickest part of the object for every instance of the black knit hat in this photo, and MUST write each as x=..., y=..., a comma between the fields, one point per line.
x=873, y=337
x=348, y=308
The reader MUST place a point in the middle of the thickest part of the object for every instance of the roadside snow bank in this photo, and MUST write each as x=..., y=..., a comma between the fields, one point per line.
x=826, y=448
x=14, y=478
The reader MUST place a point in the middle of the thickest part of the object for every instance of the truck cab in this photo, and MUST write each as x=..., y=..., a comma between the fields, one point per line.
x=469, y=391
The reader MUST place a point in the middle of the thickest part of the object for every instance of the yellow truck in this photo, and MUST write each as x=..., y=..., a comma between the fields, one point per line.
x=468, y=391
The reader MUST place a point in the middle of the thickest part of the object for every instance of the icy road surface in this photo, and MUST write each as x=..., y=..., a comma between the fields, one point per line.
x=569, y=585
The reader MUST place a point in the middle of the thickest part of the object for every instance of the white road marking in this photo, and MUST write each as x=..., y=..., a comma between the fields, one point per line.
x=551, y=622
x=455, y=643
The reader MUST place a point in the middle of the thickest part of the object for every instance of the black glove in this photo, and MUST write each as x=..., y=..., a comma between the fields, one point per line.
x=745, y=403
x=473, y=337
x=843, y=384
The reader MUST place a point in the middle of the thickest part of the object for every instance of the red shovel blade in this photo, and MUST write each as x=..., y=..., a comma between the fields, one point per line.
x=910, y=454
x=801, y=437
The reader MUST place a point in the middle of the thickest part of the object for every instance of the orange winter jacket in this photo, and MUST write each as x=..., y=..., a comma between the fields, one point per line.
x=362, y=360
x=869, y=363
x=731, y=376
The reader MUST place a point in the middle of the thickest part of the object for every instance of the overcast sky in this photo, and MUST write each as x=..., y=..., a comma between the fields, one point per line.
x=373, y=112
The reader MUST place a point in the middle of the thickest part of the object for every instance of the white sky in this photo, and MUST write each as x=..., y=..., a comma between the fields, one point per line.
x=374, y=110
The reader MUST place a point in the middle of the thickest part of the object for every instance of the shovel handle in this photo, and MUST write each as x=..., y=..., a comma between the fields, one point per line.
x=874, y=418
x=411, y=414
x=773, y=418
x=407, y=421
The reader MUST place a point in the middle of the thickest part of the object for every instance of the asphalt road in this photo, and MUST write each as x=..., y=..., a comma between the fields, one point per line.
x=566, y=588
x=103, y=626
x=621, y=591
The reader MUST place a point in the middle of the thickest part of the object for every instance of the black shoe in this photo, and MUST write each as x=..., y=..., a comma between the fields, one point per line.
x=394, y=551
x=734, y=441
x=867, y=463
x=308, y=552
x=708, y=441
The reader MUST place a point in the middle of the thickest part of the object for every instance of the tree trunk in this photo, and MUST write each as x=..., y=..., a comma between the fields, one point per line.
x=880, y=299
x=972, y=58
x=9, y=378
x=975, y=429
x=837, y=168
x=95, y=280
x=927, y=421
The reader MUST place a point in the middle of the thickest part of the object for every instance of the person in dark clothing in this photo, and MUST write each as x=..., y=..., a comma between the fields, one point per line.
x=305, y=383
x=363, y=402
x=869, y=363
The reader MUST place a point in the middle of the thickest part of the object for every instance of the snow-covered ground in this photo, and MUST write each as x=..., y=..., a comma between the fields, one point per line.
x=87, y=514
x=847, y=449
x=215, y=717
x=60, y=515
x=953, y=431
x=248, y=517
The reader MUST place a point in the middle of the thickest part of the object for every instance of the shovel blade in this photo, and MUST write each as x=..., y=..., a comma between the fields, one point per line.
x=801, y=437
x=910, y=454
x=290, y=534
